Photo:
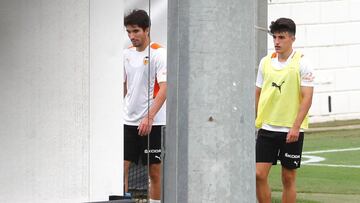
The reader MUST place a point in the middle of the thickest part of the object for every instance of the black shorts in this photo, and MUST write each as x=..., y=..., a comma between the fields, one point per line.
x=136, y=146
x=271, y=146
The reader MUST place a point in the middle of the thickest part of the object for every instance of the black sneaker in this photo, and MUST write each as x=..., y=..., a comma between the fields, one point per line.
x=118, y=197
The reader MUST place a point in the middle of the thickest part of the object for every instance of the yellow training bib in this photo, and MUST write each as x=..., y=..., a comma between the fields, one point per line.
x=280, y=96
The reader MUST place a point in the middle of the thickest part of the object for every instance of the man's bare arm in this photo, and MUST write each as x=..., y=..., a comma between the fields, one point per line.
x=306, y=101
x=146, y=123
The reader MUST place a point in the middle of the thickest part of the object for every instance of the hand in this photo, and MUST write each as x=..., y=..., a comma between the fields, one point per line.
x=145, y=126
x=293, y=135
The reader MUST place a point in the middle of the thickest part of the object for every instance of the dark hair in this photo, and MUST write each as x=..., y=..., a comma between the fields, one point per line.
x=139, y=18
x=283, y=25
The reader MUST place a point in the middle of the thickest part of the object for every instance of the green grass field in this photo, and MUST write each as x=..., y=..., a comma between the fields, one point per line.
x=335, y=179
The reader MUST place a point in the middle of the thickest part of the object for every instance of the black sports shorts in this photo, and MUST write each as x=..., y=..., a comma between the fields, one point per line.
x=136, y=146
x=271, y=146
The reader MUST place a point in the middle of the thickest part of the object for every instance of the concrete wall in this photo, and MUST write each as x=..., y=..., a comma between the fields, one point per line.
x=328, y=33
x=53, y=149
x=106, y=98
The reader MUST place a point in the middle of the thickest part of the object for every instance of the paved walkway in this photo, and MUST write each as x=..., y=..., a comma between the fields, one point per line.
x=345, y=127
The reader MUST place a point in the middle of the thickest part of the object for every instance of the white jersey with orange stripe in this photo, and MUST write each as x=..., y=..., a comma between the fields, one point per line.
x=136, y=75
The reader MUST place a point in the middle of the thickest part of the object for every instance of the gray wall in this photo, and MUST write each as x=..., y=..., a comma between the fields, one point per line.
x=47, y=149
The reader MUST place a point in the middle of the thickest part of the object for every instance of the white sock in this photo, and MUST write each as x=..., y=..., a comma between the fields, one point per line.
x=154, y=201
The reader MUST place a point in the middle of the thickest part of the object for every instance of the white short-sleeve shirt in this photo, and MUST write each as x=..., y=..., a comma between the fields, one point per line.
x=140, y=94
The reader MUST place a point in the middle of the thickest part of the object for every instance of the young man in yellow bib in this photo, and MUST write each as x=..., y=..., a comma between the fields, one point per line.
x=284, y=90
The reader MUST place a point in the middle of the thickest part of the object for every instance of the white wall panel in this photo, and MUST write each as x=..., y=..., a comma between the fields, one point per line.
x=334, y=11
x=341, y=106
x=347, y=33
x=354, y=6
x=300, y=36
x=333, y=56
x=320, y=35
x=321, y=104
x=282, y=10
x=61, y=100
x=325, y=81
x=340, y=103
x=306, y=12
x=347, y=79
x=353, y=55
x=331, y=44
x=354, y=101
x=106, y=97
x=44, y=82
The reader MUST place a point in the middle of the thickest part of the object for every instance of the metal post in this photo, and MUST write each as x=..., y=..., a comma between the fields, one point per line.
x=261, y=34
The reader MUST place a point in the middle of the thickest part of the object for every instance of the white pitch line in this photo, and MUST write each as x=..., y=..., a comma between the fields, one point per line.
x=312, y=159
x=334, y=165
x=332, y=150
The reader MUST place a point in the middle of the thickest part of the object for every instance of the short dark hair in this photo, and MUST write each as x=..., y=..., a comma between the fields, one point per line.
x=139, y=18
x=283, y=25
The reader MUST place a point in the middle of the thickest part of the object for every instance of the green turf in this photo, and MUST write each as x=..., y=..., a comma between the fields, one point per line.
x=278, y=200
x=332, y=181
x=332, y=140
x=341, y=158
x=319, y=179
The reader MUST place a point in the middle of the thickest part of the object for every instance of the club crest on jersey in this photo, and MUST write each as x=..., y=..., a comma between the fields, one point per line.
x=146, y=60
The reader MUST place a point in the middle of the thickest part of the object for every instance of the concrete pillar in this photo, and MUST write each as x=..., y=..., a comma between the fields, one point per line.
x=210, y=142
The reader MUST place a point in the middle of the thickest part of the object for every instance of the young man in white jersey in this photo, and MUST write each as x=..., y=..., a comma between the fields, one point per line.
x=284, y=90
x=145, y=95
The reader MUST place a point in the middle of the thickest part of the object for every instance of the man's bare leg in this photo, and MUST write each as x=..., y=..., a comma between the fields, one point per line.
x=126, y=175
x=155, y=181
x=263, y=191
x=289, y=185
